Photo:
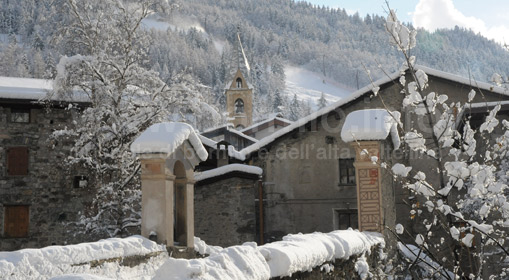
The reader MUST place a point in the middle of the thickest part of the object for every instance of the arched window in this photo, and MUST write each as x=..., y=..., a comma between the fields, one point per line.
x=239, y=127
x=239, y=106
x=239, y=82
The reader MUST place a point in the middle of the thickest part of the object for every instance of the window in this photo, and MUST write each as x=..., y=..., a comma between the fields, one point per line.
x=20, y=115
x=345, y=218
x=17, y=161
x=80, y=181
x=239, y=127
x=239, y=106
x=346, y=172
x=239, y=82
x=16, y=218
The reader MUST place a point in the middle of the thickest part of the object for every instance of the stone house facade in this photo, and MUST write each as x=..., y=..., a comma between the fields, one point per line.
x=38, y=194
x=308, y=184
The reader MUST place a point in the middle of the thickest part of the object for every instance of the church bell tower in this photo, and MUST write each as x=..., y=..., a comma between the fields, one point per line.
x=239, y=101
x=239, y=95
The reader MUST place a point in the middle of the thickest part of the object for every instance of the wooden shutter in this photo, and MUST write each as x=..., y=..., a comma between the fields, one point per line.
x=17, y=161
x=16, y=220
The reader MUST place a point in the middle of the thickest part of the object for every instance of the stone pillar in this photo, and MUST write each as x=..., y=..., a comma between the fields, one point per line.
x=157, y=186
x=369, y=189
x=190, y=213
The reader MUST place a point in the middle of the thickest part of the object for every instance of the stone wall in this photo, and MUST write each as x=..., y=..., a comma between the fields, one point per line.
x=225, y=211
x=48, y=188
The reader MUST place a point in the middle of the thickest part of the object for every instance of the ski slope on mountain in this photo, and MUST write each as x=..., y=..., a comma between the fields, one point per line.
x=308, y=86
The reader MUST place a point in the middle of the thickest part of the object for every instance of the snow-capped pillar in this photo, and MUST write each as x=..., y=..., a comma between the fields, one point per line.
x=169, y=152
x=157, y=186
x=369, y=189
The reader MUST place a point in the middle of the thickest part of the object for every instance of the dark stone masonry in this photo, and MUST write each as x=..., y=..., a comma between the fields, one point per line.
x=225, y=211
x=38, y=194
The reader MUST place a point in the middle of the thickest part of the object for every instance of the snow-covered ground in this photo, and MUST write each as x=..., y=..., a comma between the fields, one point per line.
x=309, y=85
x=297, y=252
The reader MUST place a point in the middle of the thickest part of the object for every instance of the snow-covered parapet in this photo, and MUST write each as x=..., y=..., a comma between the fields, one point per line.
x=166, y=138
x=57, y=260
x=372, y=124
x=297, y=252
x=227, y=169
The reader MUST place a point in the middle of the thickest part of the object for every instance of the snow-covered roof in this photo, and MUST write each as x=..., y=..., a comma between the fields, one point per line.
x=232, y=152
x=486, y=104
x=239, y=133
x=258, y=124
x=31, y=89
x=227, y=127
x=371, y=124
x=462, y=80
x=199, y=176
x=360, y=93
x=166, y=137
x=212, y=129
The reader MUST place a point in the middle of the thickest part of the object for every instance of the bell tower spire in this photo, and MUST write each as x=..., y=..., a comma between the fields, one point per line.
x=238, y=47
x=239, y=94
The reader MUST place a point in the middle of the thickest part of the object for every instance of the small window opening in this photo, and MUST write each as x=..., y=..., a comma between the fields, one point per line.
x=239, y=82
x=346, y=172
x=80, y=181
x=20, y=115
x=345, y=218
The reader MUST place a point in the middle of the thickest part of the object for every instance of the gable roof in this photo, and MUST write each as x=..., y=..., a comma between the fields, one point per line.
x=362, y=92
x=224, y=129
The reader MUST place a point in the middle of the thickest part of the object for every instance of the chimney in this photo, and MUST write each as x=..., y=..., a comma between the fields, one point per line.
x=222, y=153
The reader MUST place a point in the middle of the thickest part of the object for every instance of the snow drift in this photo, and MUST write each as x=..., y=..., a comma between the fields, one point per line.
x=296, y=252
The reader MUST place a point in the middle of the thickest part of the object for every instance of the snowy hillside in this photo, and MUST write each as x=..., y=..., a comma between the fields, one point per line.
x=309, y=86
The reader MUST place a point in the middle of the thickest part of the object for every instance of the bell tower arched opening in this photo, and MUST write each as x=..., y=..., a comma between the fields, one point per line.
x=239, y=106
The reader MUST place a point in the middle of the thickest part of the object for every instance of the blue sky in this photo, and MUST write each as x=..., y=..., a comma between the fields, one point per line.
x=489, y=17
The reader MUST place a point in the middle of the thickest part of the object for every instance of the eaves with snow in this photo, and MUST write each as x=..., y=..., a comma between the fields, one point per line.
x=227, y=169
x=166, y=137
x=361, y=93
x=33, y=90
x=371, y=124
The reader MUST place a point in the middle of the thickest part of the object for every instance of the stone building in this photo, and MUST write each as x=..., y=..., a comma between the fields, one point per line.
x=311, y=178
x=309, y=174
x=38, y=195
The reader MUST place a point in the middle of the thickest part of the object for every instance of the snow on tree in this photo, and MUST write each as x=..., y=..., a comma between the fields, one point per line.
x=322, y=102
x=295, y=109
x=126, y=98
x=463, y=200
